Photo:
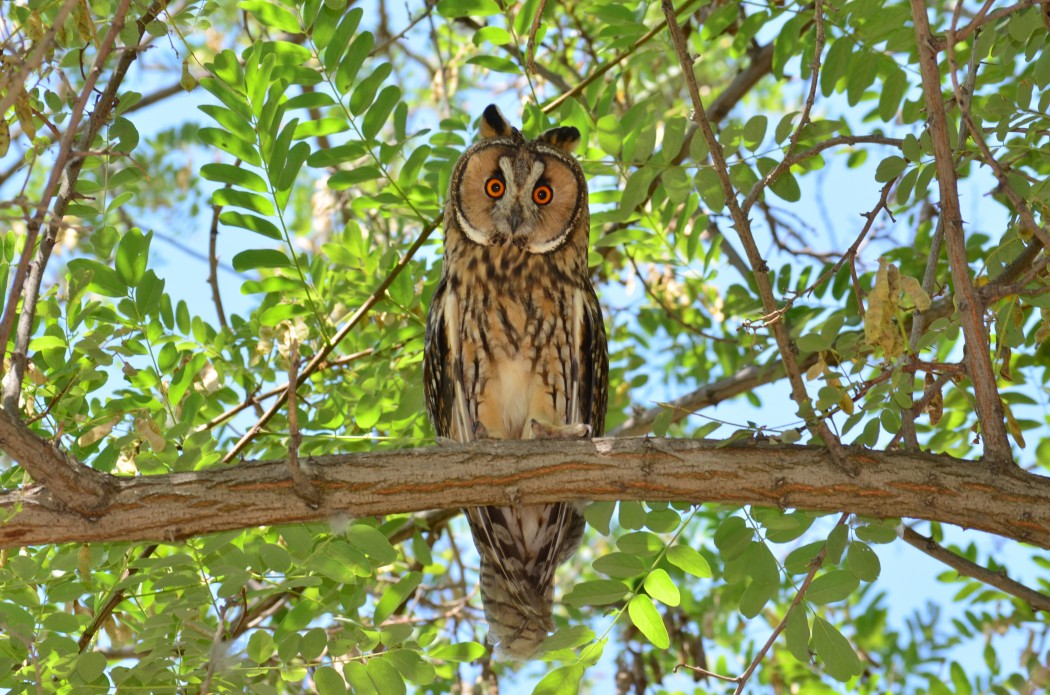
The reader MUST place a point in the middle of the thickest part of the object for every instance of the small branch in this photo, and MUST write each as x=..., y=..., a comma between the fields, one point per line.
x=114, y=600
x=213, y=262
x=40, y=49
x=530, y=49
x=785, y=163
x=971, y=311
x=982, y=18
x=1011, y=502
x=323, y=353
x=814, y=566
x=1037, y=600
x=303, y=486
x=743, y=229
x=81, y=489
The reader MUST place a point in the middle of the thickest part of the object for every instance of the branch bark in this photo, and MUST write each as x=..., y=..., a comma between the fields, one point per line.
x=971, y=311
x=1011, y=502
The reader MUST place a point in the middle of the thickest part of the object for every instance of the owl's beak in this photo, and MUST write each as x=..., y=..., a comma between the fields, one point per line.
x=514, y=218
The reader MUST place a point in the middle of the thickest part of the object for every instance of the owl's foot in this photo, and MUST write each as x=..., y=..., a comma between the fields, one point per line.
x=482, y=432
x=446, y=441
x=574, y=431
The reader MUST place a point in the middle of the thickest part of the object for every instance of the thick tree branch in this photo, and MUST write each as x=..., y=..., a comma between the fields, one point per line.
x=971, y=311
x=80, y=489
x=1008, y=502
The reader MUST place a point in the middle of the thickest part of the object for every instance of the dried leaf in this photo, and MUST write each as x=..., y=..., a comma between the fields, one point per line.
x=1004, y=369
x=1013, y=426
x=913, y=291
x=5, y=137
x=96, y=433
x=148, y=430
x=935, y=406
x=879, y=327
x=24, y=113
x=817, y=369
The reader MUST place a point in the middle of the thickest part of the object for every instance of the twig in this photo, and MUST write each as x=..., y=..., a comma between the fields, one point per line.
x=1037, y=600
x=743, y=229
x=815, y=564
x=530, y=48
x=971, y=311
x=803, y=121
x=302, y=484
x=213, y=261
x=323, y=353
x=114, y=600
x=705, y=672
x=214, y=655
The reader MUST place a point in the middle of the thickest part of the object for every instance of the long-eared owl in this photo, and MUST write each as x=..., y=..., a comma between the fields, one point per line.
x=516, y=349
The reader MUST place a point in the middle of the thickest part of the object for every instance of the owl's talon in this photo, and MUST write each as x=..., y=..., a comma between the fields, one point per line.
x=576, y=430
x=446, y=441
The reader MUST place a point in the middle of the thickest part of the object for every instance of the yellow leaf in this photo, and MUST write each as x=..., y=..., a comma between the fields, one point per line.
x=817, y=369
x=24, y=113
x=913, y=290
x=883, y=303
x=1013, y=426
x=5, y=137
x=96, y=433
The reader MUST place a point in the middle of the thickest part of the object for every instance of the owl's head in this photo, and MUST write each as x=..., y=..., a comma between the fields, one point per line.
x=509, y=190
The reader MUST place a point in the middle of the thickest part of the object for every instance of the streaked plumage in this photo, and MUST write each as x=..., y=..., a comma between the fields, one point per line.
x=516, y=349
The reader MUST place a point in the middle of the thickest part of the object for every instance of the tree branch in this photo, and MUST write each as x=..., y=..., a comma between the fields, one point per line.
x=80, y=489
x=1010, y=502
x=1035, y=599
x=971, y=311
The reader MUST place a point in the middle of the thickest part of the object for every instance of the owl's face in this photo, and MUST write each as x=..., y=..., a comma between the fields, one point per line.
x=508, y=190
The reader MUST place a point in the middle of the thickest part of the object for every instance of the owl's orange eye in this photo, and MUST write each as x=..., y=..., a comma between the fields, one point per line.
x=541, y=195
x=495, y=188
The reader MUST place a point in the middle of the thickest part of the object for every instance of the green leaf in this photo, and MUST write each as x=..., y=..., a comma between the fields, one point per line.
x=372, y=543
x=380, y=111
x=863, y=562
x=231, y=144
x=642, y=543
x=90, y=666
x=890, y=168
x=836, y=585
x=619, y=565
x=234, y=175
x=796, y=632
x=597, y=592
x=689, y=560
x=467, y=8
x=834, y=650
x=709, y=187
x=260, y=258
x=564, y=680
x=598, y=515
x=755, y=131
x=462, y=651
x=353, y=60
x=104, y=280
x=365, y=91
x=293, y=165
x=251, y=223
x=272, y=15
x=658, y=584
x=648, y=621
x=755, y=597
x=357, y=676
x=260, y=646
x=242, y=199
x=132, y=255
x=395, y=595
x=495, y=63
x=328, y=681
x=385, y=677
x=338, y=43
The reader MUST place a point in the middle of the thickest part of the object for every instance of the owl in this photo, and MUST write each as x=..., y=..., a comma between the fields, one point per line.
x=516, y=349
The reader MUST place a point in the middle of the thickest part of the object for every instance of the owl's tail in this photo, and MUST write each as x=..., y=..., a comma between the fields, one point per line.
x=520, y=549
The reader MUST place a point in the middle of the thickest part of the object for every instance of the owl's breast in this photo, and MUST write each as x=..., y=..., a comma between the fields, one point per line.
x=517, y=350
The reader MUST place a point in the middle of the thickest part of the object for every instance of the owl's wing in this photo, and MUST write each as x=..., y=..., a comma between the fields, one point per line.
x=590, y=363
x=443, y=386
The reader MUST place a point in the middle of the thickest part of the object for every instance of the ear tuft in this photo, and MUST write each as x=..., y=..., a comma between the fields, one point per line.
x=493, y=124
x=564, y=138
